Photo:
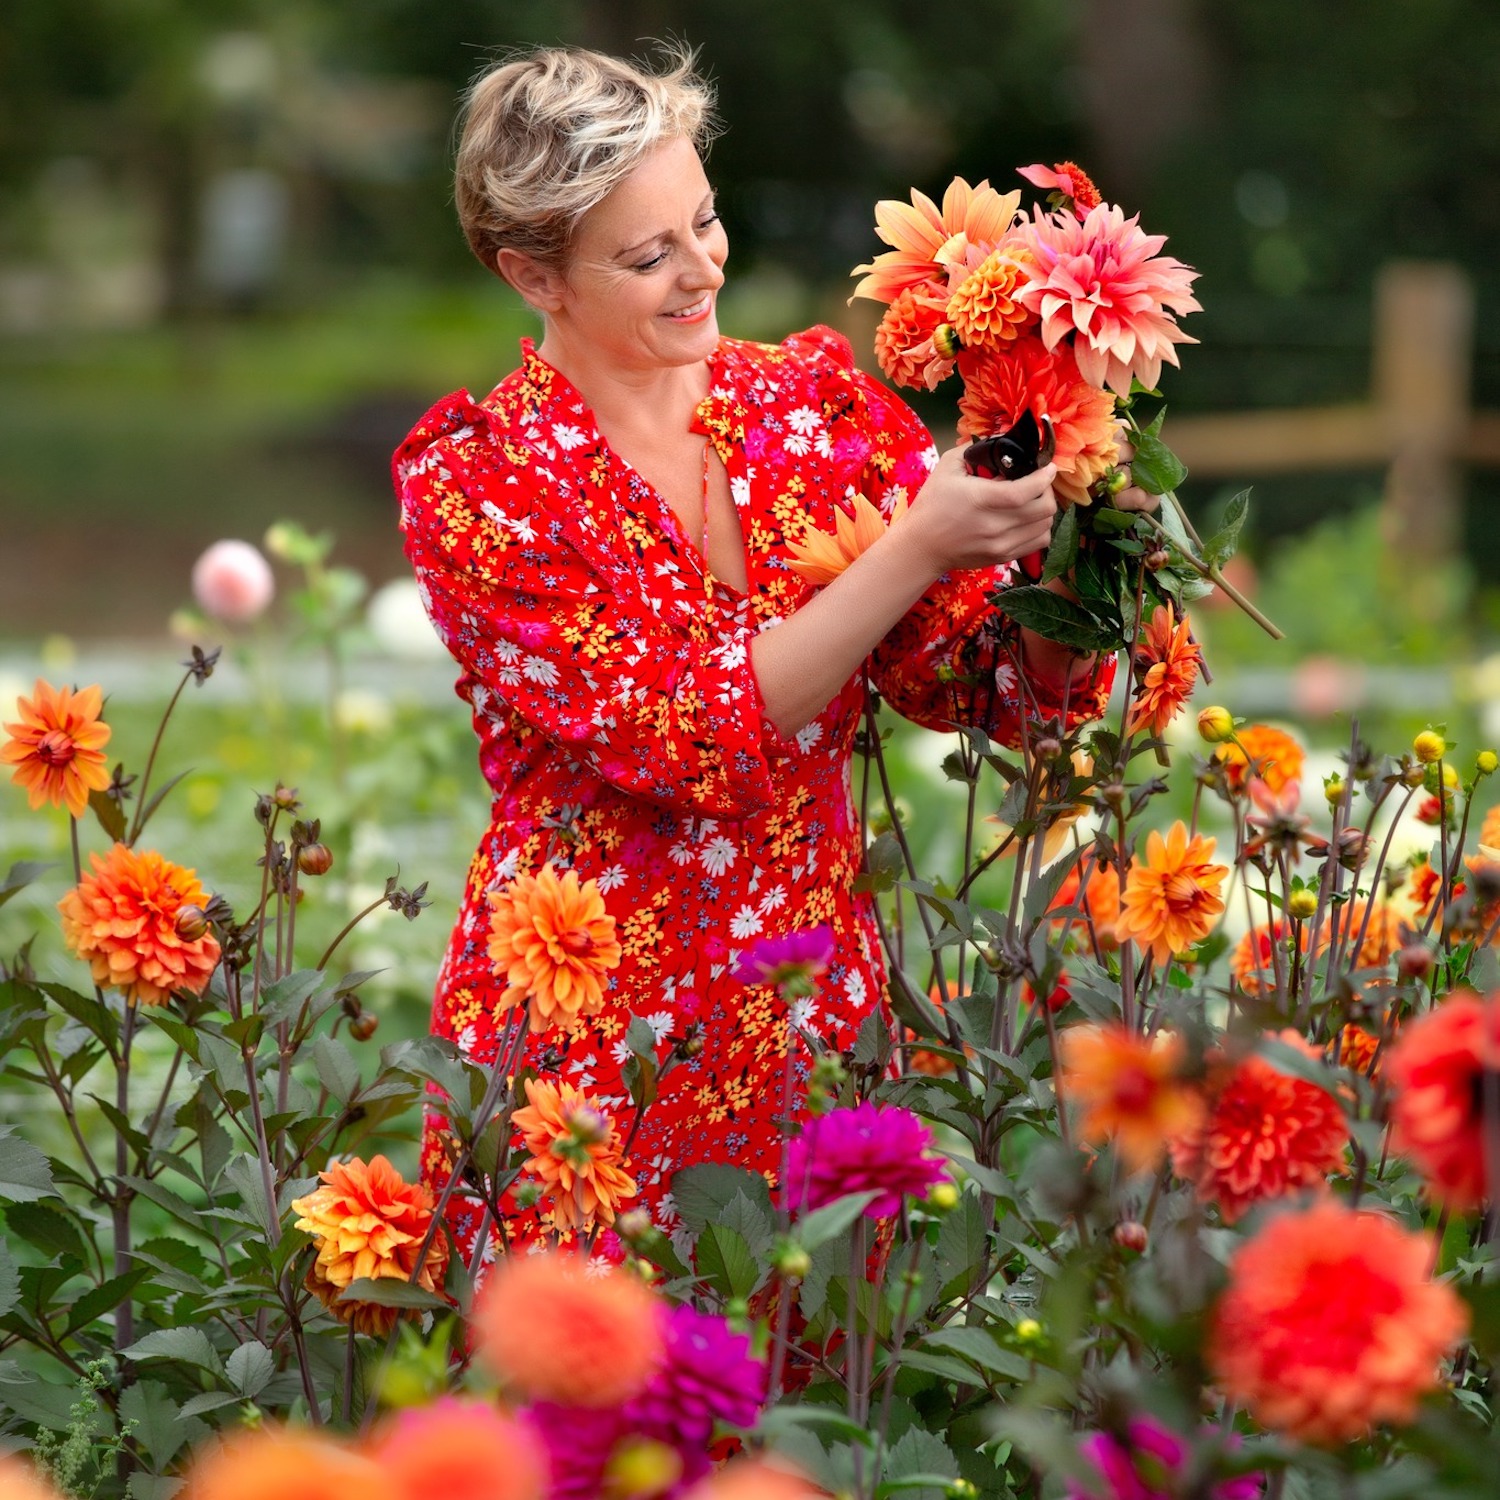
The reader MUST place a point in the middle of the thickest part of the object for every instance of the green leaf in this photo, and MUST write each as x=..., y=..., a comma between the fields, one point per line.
x=1057, y=619
x=388, y=1291
x=20, y=875
x=640, y=1038
x=249, y=1368
x=244, y=1175
x=944, y=1366
x=159, y=1427
x=337, y=1070
x=144, y=1486
x=176, y=1028
x=979, y=1345
x=752, y=1221
x=1155, y=467
x=725, y=1262
x=24, y=1393
x=1041, y=892
x=702, y=1192
x=158, y=798
x=24, y=1173
x=189, y=1346
x=88, y=1009
x=103, y=1298
x=1063, y=552
x=914, y=1010
x=111, y=815
x=1220, y=547
x=919, y=1461
x=10, y=1282
x=1111, y=523
x=833, y=1218
x=283, y=1001
x=209, y=1401
x=51, y=1229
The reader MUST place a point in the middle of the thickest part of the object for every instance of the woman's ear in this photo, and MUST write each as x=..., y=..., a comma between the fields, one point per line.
x=541, y=286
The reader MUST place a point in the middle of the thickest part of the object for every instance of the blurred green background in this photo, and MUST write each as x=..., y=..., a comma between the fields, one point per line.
x=231, y=278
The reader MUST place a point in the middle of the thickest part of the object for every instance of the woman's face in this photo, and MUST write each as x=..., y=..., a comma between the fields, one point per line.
x=642, y=280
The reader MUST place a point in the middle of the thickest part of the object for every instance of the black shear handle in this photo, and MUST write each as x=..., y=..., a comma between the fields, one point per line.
x=1012, y=455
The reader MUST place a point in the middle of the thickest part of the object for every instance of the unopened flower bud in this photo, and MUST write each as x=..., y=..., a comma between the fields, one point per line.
x=1413, y=773
x=285, y=797
x=1486, y=762
x=362, y=1027
x=1047, y=748
x=640, y=1467
x=528, y=1195
x=1429, y=746
x=692, y=1044
x=942, y=1197
x=737, y=1310
x=1157, y=559
x=1029, y=1332
x=1115, y=481
x=945, y=341
x=1111, y=794
x=1215, y=724
x=1414, y=961
x=315, y=859
x=960, y=1489
x=1131, y=1234
x=191, y=923
x=791, y=1261
x=1302, y=904
x=1333, y=789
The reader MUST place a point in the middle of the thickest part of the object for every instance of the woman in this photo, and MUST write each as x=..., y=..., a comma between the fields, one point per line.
x=603, y=544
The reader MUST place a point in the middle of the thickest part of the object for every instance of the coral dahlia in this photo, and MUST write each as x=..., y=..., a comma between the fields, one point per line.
x=1127, y=1088
x=904, y=348
x=1068, y=179
x=1444, y=1076
x=57, y=746
x=1171, y=897
x=575, y=1152
x=287, y=1463
x=460, y=1449
x=1167, y=661
x=122, y=920
x=1331, y=1324
x=368, y=1224
x=856, y=1150
x=552, y=940
x=1263, y=1134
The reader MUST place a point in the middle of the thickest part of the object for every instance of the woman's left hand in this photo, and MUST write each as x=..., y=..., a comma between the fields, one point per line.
x=1133, y=497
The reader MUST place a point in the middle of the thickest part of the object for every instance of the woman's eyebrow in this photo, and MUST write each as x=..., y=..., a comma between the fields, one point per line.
x=651, y=239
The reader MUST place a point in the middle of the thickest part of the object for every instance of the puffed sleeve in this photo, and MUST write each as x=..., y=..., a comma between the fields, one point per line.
x=529, y=581
x=953, y=657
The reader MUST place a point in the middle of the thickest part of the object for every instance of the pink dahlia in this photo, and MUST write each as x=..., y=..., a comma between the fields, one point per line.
x=856, y=1150
x=787, y=958
x=1101, y=281
x=1147, y=1462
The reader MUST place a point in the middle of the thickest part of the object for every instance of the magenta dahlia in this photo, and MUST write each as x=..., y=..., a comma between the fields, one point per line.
x=1148, y=1462
x=860, y=1149
x=787, y=958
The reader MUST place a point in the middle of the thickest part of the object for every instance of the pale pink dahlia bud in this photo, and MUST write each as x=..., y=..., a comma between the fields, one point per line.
x=232, y=582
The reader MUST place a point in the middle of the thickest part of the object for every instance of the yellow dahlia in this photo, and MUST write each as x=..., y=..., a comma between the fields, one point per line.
x=983, y=309
x=368, y=1224
x=552, y=940
x=123, y=921
x=820, y=558
x=575, y=1151
x=57, y=747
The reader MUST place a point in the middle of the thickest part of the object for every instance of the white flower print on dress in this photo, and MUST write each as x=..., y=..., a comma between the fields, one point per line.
x=719, y=855
x=746, y=924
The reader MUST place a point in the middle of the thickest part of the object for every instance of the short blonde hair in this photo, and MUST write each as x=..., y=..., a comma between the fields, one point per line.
x=547, y=135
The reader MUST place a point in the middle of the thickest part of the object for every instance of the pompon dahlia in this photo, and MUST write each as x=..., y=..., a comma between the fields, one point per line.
x=928, y=242
x=1148, y=1461
x=904, y=348
x=999, y=389
x=1127, y=1088
x=575, y=1152
x=603, y=1337
x=869, y=1147
x=1259, y=750
x=57, y=747
x=122, y=920
x=552, y=939
x=1171, y=897
x=1099, y=281
x=368, y=1223
x=1067, y=179
x=1167, y=659
x=287, y=1463
x=1263, y=1134
x=985, y=309
x=1442, y=1072
x=1094, y=889
x=1332, y=1324
x=819, y=558
x=460, y=1449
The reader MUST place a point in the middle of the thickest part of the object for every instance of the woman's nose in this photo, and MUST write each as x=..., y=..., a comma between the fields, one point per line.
x=705, y=269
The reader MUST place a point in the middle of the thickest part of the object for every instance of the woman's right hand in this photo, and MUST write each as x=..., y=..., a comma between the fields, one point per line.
x=961, y=521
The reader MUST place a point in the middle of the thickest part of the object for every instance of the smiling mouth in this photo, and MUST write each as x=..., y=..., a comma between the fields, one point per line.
x=686, y=314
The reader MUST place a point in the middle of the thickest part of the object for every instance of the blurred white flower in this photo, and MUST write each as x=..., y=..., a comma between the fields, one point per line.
x=363, y=711
x=232, y=581
x=400, y=625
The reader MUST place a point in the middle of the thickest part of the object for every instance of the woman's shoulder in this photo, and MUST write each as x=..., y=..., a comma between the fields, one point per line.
x=816, y=350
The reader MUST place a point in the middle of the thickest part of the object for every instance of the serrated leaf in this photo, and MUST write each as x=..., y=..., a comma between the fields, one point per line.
x=1042, y=892
x=188, y=1346
x=337, y=1070
x=919, y=1462
x=33, y=1399
x=249, y=1367
x=10, y=1282
x=640, y=1038
x=209, y=1401
x=144, y=1486
x=725, y=1262
x=702, y=1192
x=1063, y=552
x=103, y=1298
x=388, y=1291
x=244, y=1175
x=51, y=1228
x=979, y=1345
x=24, y=1173
x=833, y=1218
x=1056, y=619
x=158, y=1424
x=97, y=1017
x=283, y=1001
x=750, y=1220
x=1220, y=547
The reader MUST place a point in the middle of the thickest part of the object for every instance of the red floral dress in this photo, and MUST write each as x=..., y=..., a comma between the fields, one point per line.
x=623, y=733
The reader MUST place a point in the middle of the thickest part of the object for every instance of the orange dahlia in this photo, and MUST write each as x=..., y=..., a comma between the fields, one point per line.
x=1167, y=659
x=552, y=940
x=925, y=1061
x=1127, y=1088
x=460, y=1449
x=575, y=1151
x=1268, y=753
x=1094, y=888
x=983, y=309
x=1331, y=1324
x=755, y=1479
x=1171, y=896
x=122, y=920
x=1382, y=932
x=286, y=1463
x=1489, y=831
x=19, y=1481
x=1253, y=962
x=928, y=242
x=368, y=1225
x=903, y=341
x=1264, y=1134
x=1357, y=1049
x=1068, y=179
x=603, y=1333
x=820, y=558
x=1443, y=1071
x=1029, y=378
x=57, y=748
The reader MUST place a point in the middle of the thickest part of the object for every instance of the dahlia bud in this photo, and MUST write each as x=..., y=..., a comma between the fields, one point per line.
x=1302, y=904
x=191, y=923
x=1112, y=794
x=945, y=341
x=1333, y=789
x=1048, y=748
x=285, y=797
x=960, y=1489
x=1352, y=848
x=642, y=1466
x=1414, y=961
x=1158, y=559
x=1486, y=762
x=1028, y=1332
x=633, y=1226
x=528, y=1195
x=1429, y=746
x=1215, y=724
x=1413, y=773
x=362, y=1027
x=315, y=859
x=942, y=1197
x=737, y=1311
x=1131, y=1234
x=791, y=1260
x=1115, y=481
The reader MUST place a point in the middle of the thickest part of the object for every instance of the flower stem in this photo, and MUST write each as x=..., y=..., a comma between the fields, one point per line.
x=139, y=821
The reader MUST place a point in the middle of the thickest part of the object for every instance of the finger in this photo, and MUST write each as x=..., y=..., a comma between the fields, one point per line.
x=1135, y=498
x=1127, y=450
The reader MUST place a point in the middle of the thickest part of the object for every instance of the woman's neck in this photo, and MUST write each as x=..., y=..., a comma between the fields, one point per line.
x=624, y=397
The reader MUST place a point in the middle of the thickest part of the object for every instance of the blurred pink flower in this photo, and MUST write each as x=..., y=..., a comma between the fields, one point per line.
x=1101, y=280
x=232, y=581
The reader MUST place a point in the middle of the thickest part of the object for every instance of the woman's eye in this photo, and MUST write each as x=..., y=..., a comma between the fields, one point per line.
x=708, y=222
x=653, y=263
